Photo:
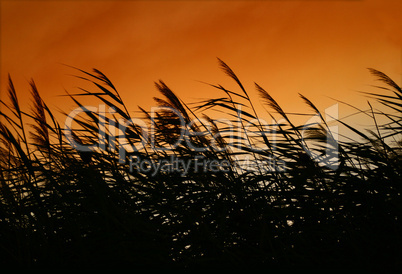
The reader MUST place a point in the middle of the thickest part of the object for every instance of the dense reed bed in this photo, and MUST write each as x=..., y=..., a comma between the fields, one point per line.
x=230, y=191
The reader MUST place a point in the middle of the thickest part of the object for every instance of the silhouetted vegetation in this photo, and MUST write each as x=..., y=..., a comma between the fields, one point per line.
x=272, y=207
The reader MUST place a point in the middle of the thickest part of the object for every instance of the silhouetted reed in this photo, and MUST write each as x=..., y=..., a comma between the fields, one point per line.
x=289, y=196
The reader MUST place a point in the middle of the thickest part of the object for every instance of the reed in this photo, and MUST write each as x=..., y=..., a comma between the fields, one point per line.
x=65, y=208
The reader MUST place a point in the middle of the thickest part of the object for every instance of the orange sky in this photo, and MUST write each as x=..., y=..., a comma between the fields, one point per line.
x=318, y=48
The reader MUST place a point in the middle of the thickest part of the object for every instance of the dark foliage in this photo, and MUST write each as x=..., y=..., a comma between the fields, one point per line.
x=63, y=208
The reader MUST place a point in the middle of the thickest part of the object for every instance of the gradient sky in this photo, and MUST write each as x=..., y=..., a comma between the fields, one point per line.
x=317, y=48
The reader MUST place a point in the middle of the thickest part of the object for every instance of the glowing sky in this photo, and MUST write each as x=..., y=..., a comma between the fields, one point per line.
x=318, y=48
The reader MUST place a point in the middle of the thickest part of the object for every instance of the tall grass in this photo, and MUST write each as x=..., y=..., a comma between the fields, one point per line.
x=274, y=207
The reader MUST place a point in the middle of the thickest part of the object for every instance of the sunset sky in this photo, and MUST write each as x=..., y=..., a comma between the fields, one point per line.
x=318, y=48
